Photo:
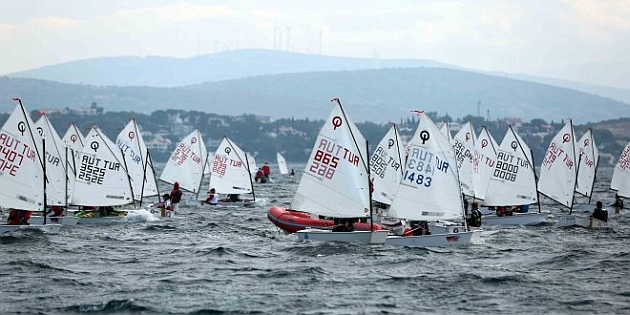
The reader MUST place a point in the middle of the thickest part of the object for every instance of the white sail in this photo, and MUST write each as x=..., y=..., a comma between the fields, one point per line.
x=137, y=160
x=386, y=166
x=74, y=141
x=446, y=131
x=335, y=182
x=21, y=172
x=251, y=162
x=57, y=188
x=464, y=145
x=621, y=175
x=484, y=160
x=430, y=188
x=513, y=181
x=588, y=161
x=207, y=169
x=282, y=164
x=186, y=164
x=558, y=170
x=101, y=179
x=230, y=173
x=73, y=138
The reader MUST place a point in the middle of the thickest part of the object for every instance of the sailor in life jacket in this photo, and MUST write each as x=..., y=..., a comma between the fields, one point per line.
x=18, y=217
x=175, y=196
x=213, y=198
x=166, y=206
x=600, y=213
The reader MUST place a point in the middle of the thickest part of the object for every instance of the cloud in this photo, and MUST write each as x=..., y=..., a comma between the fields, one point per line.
x=187, y=12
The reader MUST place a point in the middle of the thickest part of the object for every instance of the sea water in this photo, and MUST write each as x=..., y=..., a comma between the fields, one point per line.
x=231, y=260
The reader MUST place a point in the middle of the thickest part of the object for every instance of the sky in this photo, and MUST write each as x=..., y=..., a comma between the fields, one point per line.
x=581, y=40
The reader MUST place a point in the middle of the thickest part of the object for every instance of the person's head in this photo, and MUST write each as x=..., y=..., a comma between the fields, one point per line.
x=475, y=205
x=166, y=196
x=176, y=185
x=212, y=190
x=616, y=196
x=599, y=204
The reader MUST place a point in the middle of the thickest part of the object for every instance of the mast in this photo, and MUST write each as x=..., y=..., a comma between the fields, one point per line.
x=367, y=147
x=65, y=194
x=45, y=179
x=128, y=178
x=250, y=175
x=157, y=187
x=144, y=166
x=203, y=169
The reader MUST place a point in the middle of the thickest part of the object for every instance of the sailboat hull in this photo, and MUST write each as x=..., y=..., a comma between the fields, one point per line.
x=532, y=218
x=361, y=237
x=433, y=240
x=582, y=221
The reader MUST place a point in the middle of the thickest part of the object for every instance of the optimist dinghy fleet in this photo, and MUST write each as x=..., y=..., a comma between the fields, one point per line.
x=413, y=194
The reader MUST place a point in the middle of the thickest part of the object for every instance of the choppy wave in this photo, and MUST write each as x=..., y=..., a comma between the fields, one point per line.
x=234, y=261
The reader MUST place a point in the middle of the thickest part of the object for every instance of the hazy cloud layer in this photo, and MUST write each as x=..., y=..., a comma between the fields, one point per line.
x=582, y=40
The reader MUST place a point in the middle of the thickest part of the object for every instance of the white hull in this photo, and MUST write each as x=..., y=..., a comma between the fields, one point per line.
x=361, y=237
x=530, y=218
x=47, y=228
x=157, y=213
x=65, y=220
x=433, y=240
x=249, y=203
x=583, y=221
x=446, y=227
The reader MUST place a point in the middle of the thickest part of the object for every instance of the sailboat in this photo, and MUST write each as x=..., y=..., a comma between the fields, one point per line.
x=483, y=162
x=57, y=188
x=588, y=161
x=513, y=183
x=139, y=166
x=621, y=175
x=430, y=188
x=336, y=181
x=230, y=175
x=187, y=164
x=446, y=131
x=282, y=164
x=138, y=161
x=558, y=176
x=386, y=170
x=101, y=181
x=464, y=145
x=22, y=170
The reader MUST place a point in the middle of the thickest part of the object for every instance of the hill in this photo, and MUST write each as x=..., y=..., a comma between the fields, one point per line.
x=369, y=95
x=237, y=64
x=233, y=64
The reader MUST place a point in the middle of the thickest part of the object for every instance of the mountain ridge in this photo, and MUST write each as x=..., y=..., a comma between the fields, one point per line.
x=378, y=95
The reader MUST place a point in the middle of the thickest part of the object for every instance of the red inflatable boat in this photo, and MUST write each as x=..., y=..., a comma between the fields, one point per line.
x=292, y=221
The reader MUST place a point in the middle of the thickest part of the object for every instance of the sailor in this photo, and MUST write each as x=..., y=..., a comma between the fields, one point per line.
x=266, y=169
x=600, y=213
x=175, y=196
x=618, y=204
x=18, y=217
x=213, y=198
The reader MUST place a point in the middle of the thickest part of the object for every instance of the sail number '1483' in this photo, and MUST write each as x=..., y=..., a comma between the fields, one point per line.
x=418, y=178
